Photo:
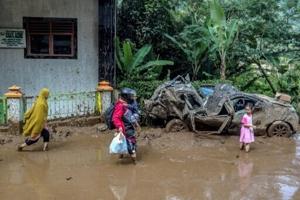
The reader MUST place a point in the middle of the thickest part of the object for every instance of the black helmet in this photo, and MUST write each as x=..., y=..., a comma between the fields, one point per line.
x=127, y=94
x=132, y=92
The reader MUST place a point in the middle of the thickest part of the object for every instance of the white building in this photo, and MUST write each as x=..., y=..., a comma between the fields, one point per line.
x=68, y=44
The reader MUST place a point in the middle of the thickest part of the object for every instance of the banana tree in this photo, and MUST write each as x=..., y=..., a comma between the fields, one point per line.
x=192, y=41
x=136, y=65
x=222, y=33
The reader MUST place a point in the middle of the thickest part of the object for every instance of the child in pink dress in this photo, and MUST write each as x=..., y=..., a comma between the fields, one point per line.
x=247, y=134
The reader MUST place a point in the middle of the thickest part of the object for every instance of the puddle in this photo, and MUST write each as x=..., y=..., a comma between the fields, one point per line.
x=171, y=167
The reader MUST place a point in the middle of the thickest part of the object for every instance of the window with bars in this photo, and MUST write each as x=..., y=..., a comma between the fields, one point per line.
x=50, y=37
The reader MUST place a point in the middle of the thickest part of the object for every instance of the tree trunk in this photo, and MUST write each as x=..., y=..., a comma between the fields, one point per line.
x=265, y=76
x=194, y=77
x=195, y=72
x=223, y=68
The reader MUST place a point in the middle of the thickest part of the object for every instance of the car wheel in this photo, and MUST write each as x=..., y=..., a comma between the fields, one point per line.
x=280, y=129
x=176, y=125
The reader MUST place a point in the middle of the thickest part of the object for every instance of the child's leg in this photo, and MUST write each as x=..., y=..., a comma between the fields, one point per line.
x=133, y=156
x=247, y=147
x=131, y=150
x=241, y=145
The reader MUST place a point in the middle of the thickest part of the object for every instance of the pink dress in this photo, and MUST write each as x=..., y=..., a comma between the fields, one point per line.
x=247, y=134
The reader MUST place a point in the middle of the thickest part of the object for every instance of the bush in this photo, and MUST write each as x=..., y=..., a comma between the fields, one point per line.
x=144, y=89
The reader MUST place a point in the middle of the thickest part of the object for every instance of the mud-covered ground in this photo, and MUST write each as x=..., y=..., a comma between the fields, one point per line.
x=173, y=166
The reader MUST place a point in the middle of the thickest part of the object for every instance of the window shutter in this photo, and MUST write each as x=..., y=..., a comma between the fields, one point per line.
x=39, y=27
x=62, y=27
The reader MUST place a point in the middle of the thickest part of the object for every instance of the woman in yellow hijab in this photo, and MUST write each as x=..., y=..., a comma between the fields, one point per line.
x=35, y=121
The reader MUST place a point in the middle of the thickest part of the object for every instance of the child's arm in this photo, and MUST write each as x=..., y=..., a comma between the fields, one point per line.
x=249, y=125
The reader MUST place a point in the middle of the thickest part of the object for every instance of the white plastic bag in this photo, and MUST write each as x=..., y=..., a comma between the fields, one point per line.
x=118, y=145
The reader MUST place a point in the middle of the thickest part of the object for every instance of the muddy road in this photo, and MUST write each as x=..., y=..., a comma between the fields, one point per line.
x=174, y=166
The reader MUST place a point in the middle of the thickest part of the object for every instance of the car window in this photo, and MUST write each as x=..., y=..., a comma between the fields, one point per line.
x=241, y=102
x=190, y=100
x=223, y=111
x=193, y=102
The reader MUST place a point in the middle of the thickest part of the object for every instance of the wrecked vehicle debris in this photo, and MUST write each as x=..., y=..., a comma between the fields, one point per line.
x=179, y=106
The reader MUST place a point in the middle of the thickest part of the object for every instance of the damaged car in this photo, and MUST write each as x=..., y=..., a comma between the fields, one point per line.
x=179, y=106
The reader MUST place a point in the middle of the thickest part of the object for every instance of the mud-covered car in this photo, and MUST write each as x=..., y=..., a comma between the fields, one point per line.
x=178, y=105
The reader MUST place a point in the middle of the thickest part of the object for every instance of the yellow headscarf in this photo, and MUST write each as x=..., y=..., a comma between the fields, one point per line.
x=36, y=117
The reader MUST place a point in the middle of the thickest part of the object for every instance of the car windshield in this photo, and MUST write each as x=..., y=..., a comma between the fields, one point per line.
x=206, y=91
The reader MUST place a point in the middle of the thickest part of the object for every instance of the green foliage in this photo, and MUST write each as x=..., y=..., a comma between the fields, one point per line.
x=222, y=33
x=192, y=42
x=188, y=12
x=134, y=65
x=252, y=82
x=144, y=22
x=217, y=15
x=268, y=31
x=265, y=31
x=287, y=79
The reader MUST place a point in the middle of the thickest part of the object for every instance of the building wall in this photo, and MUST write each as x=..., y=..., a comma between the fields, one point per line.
x=59, y=75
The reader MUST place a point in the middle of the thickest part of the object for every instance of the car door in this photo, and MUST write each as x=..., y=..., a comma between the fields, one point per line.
x=239, y=107
x=215, y=123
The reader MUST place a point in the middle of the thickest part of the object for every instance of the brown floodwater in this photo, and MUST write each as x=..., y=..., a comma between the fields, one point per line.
x=174, y=166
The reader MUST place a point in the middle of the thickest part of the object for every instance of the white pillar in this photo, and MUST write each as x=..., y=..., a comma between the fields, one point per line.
x=14, y=108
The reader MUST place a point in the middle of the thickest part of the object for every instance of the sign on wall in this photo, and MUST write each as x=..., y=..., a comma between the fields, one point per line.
x=12, y=38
